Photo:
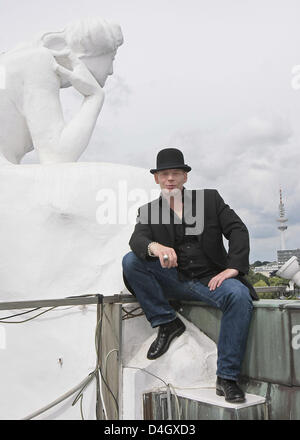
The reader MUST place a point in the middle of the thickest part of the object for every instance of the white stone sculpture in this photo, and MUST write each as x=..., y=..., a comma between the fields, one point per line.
x=56, y=237
x=31, y=76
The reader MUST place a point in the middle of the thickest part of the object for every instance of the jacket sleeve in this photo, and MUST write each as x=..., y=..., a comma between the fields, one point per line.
x=142, y=235
x=236, y=232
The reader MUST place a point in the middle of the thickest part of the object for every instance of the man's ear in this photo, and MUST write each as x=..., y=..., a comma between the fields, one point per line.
x=55, y=41
x=156, y=178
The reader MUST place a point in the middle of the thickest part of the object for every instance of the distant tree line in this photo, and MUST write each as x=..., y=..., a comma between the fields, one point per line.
x=259, y=263
x=260, y=280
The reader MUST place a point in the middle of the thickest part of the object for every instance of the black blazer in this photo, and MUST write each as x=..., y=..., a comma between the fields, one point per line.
x=219, y=220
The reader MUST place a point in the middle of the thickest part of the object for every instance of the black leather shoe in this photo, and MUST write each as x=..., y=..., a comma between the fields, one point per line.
x=229, y=389
x=166, y=334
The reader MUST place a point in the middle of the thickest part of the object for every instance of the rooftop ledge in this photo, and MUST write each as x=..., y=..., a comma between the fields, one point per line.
x=271, y=366
x=273, y=346
x=273, y=303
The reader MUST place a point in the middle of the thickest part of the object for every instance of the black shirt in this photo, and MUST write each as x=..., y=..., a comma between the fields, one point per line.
x=192, y=261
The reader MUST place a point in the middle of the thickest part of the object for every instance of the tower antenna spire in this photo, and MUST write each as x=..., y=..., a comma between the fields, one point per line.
x=282, y=220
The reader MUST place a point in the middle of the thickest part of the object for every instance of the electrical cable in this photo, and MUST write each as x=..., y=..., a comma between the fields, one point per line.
x=79, y=395
x=59, y=399
x=29, y=319
x=169, y=406
x=82, y=385
x=105, y=360
x=102, y=397
x=148, y=372
x=99, y=381
x=105, y=364
x=37, y=308
x=19, y=314
x=179, y=412
x=32, y=310
x=109, y=389
x=95, y=373
x=81, y=409
x=129, y=313
x=168, y=386
x=97, y=370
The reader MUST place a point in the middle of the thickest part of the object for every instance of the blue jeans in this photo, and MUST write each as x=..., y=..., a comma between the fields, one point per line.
x=154, y=285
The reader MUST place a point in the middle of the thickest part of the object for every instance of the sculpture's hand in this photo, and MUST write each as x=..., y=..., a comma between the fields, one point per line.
x=80, y=77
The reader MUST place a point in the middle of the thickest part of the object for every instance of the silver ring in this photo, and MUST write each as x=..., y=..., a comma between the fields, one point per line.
x=165, y=257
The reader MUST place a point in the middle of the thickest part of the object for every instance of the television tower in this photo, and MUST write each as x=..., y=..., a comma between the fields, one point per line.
x=282, y=220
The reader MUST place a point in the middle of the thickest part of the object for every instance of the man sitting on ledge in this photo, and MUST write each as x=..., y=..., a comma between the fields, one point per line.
x=178, y=254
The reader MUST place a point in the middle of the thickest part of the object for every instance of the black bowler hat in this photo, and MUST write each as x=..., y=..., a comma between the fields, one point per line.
x=170, y=158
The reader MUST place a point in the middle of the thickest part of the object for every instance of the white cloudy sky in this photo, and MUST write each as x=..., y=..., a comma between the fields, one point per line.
x=212, y=77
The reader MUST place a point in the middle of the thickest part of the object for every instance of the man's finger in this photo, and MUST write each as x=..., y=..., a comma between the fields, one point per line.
x=173, y=259
x=220, y=282
x=210, y=284
x=170, y=261
x=213, y=283
x=162, y=263
x=217, y=283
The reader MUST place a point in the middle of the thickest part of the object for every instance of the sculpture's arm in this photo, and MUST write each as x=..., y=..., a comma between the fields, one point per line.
x=54, y=140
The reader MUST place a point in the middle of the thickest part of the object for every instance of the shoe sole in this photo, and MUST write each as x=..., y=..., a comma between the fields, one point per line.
x=237, y=400
x=167, y=347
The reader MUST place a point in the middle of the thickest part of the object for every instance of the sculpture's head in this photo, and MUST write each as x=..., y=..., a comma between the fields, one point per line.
x=95, y=41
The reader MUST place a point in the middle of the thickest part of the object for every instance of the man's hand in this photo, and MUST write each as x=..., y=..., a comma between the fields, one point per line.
x=159, y=251
x=217, y=280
